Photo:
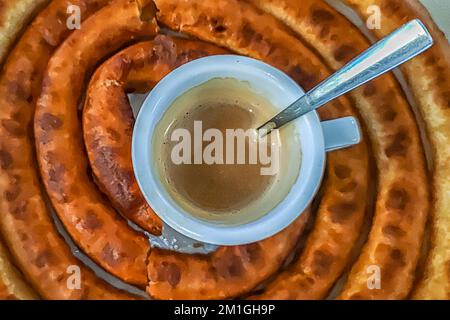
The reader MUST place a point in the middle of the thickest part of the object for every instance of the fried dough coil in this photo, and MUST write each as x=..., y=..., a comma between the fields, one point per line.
x=89, y=219
x=229, y=272
x=26, y=225
x=251, y=32
x=428, y=75
x=402, y=205
x=14, y=16
x=108, y=118
x=226, y=273
x=12, y=285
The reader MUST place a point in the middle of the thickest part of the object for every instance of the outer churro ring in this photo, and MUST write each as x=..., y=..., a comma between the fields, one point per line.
x=229, y=271
x=428, y=75
x=12, y=285
x=14, y=17
x=26, y=225
x=90, y=221
x=402, y=206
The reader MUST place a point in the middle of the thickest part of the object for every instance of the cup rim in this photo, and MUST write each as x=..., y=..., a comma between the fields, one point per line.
x=192, y=74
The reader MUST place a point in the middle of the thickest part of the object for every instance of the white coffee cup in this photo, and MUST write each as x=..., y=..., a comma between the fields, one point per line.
x=315, y=138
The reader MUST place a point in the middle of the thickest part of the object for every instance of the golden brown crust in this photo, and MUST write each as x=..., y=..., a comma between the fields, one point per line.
x=249, y=31
x=26, y=225
x=229, y=272
x=226, y=273
x=88, y=218
x=402, y=202
x=12, y=285
x=232, y=24
x=14, y=16
x=428, y=75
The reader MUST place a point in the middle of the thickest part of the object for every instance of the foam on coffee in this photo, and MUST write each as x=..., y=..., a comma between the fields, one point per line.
x=224, y=192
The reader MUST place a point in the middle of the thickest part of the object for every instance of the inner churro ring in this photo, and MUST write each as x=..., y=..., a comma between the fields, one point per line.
x=280, y=33
x=228, y=272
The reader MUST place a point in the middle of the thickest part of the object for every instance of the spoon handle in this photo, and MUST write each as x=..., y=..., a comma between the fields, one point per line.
x=400, y=46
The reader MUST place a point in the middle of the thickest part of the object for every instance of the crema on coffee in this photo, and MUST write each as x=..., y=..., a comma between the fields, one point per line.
x=212, y=161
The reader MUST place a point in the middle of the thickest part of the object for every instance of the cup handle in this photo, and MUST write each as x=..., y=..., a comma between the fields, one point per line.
x=341, y=133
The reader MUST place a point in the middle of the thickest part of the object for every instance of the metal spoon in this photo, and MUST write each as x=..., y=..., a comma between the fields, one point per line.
x=400, y=46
